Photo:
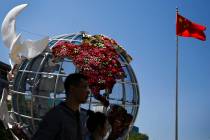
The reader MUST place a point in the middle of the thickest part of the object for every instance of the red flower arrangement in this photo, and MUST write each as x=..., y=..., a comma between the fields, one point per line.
x=97, y=58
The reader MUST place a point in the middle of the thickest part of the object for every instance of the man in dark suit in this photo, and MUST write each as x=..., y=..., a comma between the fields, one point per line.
x=63, y=122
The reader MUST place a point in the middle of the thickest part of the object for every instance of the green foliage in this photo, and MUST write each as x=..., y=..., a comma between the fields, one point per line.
x=138, y=136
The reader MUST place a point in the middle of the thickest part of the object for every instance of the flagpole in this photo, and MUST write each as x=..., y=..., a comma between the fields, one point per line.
x=177, y=85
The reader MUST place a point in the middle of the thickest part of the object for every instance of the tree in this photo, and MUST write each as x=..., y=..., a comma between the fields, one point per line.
x=138, y=136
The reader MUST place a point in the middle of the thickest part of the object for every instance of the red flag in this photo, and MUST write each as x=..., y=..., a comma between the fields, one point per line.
x=186, y=28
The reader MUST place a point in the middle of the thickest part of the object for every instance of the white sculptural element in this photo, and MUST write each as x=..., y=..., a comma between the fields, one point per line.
x=18, y=48
x=4, y=115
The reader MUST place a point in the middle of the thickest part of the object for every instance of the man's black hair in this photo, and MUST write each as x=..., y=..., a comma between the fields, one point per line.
x=73, y=80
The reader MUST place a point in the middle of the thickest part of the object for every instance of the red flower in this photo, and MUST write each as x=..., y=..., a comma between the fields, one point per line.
x=97, y=59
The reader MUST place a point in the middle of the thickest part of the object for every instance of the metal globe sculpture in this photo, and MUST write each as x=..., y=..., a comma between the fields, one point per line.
x=38, y=85
x=40, y=67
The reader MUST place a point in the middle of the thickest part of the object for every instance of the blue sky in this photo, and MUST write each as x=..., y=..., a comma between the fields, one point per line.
x=146, y=29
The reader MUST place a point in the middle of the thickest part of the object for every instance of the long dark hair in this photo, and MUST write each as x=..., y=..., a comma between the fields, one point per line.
x=95, y=119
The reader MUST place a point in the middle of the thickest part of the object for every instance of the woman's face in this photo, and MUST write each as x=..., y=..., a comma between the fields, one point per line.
x=117, y=127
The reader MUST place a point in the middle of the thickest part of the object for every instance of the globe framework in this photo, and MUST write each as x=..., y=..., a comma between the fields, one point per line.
x=38, y=86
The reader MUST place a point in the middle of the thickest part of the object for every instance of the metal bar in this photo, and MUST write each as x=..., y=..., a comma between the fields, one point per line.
x=25, y=116
x=32, y=97
x=18, y=87
x=56, y=83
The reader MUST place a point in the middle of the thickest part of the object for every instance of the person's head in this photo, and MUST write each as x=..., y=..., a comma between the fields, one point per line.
x=97, y=123
x=76, y=87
